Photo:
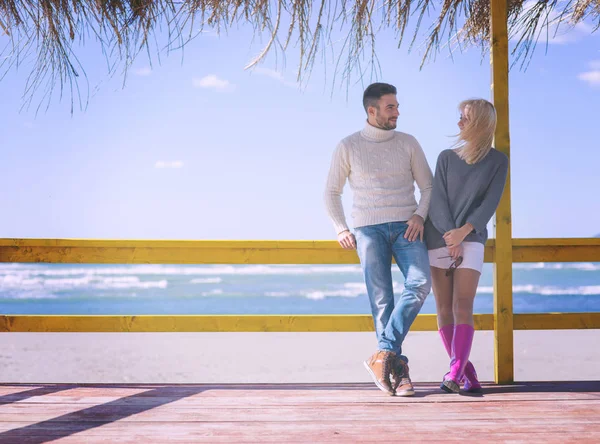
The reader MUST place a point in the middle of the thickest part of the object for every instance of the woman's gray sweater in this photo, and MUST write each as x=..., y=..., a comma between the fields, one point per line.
x=464, y=193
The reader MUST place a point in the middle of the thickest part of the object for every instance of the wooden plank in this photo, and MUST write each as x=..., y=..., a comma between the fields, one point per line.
x=557, y=321
x=253, y=252
x=268, y=323
x=250, y=244
x=557, y=242
x=503, y=309
x=200, y=252
x=323, y=431
x=558, y=253
x=252, y=395
x=223, y=398
x=209, y=323
x=336, y=436
x=581, y=411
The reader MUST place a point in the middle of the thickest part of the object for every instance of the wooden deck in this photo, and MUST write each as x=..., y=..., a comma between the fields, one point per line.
x=524, y=412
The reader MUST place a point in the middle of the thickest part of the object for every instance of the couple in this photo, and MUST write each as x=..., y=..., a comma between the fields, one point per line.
x=439, y=241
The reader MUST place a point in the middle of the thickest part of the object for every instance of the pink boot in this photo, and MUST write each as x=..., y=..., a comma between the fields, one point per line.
x=461, y=348
x=472, y=384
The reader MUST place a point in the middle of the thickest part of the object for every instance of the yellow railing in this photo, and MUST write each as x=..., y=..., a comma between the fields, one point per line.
x=80, y=251
x=87, y=251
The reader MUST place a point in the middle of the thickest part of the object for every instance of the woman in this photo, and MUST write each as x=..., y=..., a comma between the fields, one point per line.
x=469, y=181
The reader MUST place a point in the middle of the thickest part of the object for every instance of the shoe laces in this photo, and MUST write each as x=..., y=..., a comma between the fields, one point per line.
x=387, y=361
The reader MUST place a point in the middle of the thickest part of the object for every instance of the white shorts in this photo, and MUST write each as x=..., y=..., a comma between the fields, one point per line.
x=472, y=257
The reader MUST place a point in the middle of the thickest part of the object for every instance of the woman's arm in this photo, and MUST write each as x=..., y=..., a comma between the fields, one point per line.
x=439, y=211
x=484, y=212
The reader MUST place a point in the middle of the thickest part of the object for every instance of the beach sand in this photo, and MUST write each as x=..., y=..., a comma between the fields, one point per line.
x=274, y=357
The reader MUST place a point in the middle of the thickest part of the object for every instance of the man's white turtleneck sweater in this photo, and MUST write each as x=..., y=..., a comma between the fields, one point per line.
x=382, y=167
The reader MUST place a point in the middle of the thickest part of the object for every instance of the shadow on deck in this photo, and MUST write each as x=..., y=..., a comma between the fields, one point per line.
x=141, y=413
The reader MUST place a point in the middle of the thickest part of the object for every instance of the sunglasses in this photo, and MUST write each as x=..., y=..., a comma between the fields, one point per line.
x=454, y=265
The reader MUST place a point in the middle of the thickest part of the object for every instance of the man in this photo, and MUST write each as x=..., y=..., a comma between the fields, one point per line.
x=382, y=166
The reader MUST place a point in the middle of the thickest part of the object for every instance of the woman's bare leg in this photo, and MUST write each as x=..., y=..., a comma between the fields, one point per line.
x=442, y=290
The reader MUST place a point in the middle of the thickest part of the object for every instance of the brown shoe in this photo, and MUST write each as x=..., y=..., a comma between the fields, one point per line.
x=401, y=383
x=379, y=367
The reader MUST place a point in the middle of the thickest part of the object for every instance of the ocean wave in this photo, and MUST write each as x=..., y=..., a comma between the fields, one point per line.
x=278, y=294
x=24, y=295
x=215, y=292
x=31, y=271
x=318, y=295
x=175, y=270
x=206, y=281
x=352, y=290
x=12, y=282
x=548, y=290
x=583, y=266
x=349, y=290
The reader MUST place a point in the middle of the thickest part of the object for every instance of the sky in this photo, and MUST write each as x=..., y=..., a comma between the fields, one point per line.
x=196, y=147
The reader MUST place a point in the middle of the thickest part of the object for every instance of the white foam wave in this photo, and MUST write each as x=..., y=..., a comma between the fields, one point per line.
x=350, y=290
x=16, y=282
x=32, y=295
x=215, y=292
x=548, y=290
x=356, y=285
x=206, y=281
x=278, y=294
x=318, y=295
x=583, y=266
x=485, y=290
x=44, y=270
x=141, y=285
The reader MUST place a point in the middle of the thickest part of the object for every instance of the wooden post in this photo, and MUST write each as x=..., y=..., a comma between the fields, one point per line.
x=503, y=305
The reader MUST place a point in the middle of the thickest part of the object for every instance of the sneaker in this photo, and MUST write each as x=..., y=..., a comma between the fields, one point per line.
x=402, y=384
x=472, y=384
x=379, y=367
x=449, y=385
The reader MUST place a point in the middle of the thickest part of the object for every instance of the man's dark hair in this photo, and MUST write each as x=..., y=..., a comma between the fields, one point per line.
x=374, y=92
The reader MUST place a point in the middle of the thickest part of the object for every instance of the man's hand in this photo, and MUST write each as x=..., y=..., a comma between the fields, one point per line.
x=347, y=240
x=415, y=228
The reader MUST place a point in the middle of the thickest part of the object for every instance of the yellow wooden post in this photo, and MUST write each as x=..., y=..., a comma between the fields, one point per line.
x=503, y=307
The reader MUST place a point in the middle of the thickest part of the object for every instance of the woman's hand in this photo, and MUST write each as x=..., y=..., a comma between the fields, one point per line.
x=456, y=236
x=456, y=252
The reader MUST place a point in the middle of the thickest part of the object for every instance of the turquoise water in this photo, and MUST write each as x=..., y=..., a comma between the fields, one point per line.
x=267, y=289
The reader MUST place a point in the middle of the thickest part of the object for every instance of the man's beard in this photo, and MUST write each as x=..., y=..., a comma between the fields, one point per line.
x=386, y=125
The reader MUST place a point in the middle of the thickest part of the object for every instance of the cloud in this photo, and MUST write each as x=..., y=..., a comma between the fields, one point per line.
x=170, y=164
x=567, y=34
x=275, y=75
x=143, y=72
x=213, y=82
x=592, y=77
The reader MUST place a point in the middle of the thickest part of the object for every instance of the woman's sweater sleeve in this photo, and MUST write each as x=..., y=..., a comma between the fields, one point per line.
x=439, y=209
x=480, y=217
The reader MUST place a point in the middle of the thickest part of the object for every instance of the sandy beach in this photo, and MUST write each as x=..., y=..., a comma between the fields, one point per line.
x=273, y=357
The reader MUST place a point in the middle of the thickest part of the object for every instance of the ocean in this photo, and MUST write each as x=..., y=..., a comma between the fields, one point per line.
x=262, y=289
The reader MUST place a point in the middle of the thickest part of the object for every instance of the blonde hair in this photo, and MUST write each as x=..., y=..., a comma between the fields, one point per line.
x=475, y=139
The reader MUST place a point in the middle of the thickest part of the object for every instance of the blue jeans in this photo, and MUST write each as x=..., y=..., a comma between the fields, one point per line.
x=376, y=244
